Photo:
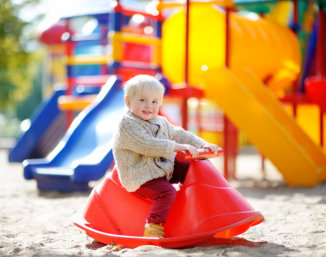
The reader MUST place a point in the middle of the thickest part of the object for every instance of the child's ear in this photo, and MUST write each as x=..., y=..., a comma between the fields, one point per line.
x=127, y=101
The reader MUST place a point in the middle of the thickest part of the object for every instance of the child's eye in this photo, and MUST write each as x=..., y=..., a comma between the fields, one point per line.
x=142, y=100
x=154, y=102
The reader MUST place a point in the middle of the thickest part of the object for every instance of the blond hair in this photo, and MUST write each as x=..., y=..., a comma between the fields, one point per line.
x=139, y=83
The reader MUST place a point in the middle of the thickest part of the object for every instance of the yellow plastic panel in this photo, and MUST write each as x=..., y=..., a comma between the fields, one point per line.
x=281, y=12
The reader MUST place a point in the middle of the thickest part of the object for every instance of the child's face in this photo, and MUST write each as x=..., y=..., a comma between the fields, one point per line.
x=145, y=105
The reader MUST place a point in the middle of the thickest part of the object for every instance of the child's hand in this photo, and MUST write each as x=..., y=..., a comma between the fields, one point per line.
x=214, y=148
x=192, y=150
x=185, y=147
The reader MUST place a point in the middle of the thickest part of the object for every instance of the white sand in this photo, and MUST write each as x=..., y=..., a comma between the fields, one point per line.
x=39, y=224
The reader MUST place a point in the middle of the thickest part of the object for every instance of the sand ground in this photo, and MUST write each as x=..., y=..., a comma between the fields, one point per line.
x=34, y=223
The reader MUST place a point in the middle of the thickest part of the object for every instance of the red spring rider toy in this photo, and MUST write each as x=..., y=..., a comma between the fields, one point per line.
x=206, y=206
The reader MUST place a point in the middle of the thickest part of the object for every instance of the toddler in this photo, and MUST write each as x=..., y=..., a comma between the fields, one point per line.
x=144, y=150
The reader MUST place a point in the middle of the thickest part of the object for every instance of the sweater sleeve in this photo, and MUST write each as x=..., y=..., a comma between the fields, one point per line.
x=182, y=136
x=135, y=138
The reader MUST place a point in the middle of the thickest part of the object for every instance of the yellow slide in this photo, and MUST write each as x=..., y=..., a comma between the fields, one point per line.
x=261, y=117
x=270, y=49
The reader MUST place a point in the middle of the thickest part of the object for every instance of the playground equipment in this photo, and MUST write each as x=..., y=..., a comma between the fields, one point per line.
x=253, y=44
x=54, y=67
x=205, y=207
x=271, y=51
x=45, y=130
x=240, y=52
x=316, y=86
x=316, y=89
x=268, y=126
x=85, y=152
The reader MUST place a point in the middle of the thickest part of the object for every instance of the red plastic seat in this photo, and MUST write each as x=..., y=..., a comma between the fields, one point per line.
x=206, y=206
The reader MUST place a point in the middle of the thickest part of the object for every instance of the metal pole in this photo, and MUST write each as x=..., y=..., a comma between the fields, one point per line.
x=184, y=104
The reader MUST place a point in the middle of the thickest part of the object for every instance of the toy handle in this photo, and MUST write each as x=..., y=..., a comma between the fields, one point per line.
x=184, y=156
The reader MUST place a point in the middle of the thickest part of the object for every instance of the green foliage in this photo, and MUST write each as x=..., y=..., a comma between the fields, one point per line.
x=17, y=64
x=9, y=127
x=260, y=8
x=26, y=108
x=322, y=4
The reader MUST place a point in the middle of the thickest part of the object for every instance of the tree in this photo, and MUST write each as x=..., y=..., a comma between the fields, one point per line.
x=322, y=4
x=17, y=64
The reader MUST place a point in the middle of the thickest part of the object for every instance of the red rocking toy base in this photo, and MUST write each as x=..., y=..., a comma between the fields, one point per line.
x=206, y=207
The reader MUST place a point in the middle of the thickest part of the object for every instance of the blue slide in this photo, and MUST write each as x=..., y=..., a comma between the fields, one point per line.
x=85, y=151
x=46, y=129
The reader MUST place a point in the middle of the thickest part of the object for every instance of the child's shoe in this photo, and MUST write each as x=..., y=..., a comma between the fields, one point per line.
x=154, y=230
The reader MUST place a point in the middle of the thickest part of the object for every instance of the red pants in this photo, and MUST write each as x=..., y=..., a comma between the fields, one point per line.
x=163, y=193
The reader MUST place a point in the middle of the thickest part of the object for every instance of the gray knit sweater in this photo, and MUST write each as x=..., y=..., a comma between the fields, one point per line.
x=144, y=150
